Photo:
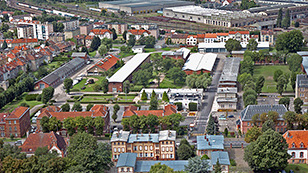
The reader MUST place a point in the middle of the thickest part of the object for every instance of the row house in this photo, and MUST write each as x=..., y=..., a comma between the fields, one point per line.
x=16, y=123
x=101, y=33
x=103, y=65
x=137, y=33
x=57, y=37
x=96, y=111
x=11, y=43
x=151, y=146
x=133, y=110
x=66, y=46
x=246, y=116
x=40, y=30
x=301, y=87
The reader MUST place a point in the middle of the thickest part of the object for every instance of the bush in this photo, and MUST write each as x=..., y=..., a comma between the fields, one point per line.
x=232, y=162
x=39, y=97
x=179, y=106
x=232, y=134
x=76, y=97
x=205, y=157
x=31, y=97
x=192, y=106
x=107, y=135
x=24, y=104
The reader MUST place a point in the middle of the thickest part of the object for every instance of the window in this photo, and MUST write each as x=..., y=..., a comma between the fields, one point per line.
x=119, y=150
x=248, y=124
x=10, y=128
x=151, y=147
x=301, y=154
x=151, y=154
x=293, y=145
x=140, y=148
x=123, y=150
x=122, y=169
x=167, y=142
x=140, y=154
x=293, y=154
x=157, y=145
x=171, y=156
x=135, y=148
x=163, y=156
x=146, y=154
x=163, y=142
x=171, y=149
x=302, y=145
x=15, y=128
x=9, y=122
x=14, y=122
x=127, y=169
x=163, y=149
x=16, y=134
x=146, y=147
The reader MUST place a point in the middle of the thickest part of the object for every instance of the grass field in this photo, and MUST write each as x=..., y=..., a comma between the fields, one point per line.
x=268, y=73
x=297, y=168
x=167, y=83
x=92, y=54
x=15, y=103
x=105, y=98
x=89, y=87
x=148, y=50
x=122, y=54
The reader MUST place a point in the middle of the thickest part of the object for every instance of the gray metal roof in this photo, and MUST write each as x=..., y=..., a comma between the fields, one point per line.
x=176, y=165
x=79, y=54
x=125, y=136
x=120, y=136
x=302, y=80
x=127, y=160
x=230, y=70
x=226, y=99
x=251, y=110
x=211, y=142
x=143, y=138
x=167, y=135
x=304, y=55
x=226, y=90
x=221, y=156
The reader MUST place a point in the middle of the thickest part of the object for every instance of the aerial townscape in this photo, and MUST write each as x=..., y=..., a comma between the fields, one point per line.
x=159, y=86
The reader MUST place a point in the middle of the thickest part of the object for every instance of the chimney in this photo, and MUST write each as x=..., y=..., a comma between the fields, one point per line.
x=169, y=133
x=204, y=136
x=209, y=143
x=117, y=134
x=207, y=139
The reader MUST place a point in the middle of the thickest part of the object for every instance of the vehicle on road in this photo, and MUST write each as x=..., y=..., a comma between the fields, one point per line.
x=230, y=116
x=222, y=117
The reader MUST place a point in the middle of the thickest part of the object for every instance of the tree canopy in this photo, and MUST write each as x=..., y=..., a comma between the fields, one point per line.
x=291, y=41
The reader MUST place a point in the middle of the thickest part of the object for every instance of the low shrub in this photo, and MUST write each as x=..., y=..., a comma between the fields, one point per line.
x=179, y=106
x=24, y=104
x=232, y=162
x=38, y=97
x=192, y=106
x=98, y=95
x=31, y=97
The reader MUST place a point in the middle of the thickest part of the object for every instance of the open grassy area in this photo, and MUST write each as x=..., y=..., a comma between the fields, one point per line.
x=15, y=103
x=122, y=54
x=96, y=98
x=297, y=168
x=166, y=48
x=89, y=87
x=148, y=50
x=167, y=83
x=268, y=73
x=92, y=54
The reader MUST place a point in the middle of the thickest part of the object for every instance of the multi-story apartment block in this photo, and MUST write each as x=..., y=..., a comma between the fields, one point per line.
x=241, y=36
x=16, y=123
x=119, y=27
x=40, y=30
x=85, y=28
x=137, y=33
x=301, y=87
x=152, y=146
x=101, y=33
x=297, y=145
x=208, y=143
x=70, y=25
x=25, y=31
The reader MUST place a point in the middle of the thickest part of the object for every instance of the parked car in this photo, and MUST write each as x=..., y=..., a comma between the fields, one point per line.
x=222, y=117
x=230, y=116
x=19, y=143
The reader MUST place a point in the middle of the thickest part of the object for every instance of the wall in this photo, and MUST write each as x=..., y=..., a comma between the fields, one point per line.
x=297, y=158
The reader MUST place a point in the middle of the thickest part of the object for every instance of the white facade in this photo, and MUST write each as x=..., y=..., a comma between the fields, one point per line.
x=40, y=31
x=101, y=36
x=138, y=49
x=298, y=154
x=210, y=40
x=191, y=40
x=240, y=37
x=137, y=36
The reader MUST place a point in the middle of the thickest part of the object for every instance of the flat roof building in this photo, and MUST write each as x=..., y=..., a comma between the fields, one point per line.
x=220, y=46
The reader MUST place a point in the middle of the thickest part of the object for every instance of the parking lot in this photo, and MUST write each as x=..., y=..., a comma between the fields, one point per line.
x=227, y=120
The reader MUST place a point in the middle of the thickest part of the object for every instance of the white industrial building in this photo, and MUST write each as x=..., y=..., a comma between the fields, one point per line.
x=220, y=46
x=198, y=62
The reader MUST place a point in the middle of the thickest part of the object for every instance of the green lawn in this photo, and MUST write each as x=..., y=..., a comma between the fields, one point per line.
x=89, y=87
x=122, y=54
x=167, y=83
x=297, y=168
x=15, y=103
x=166, y=49
x=148, y=50
x=92, y=54
x=268, y=73
x=95, y=98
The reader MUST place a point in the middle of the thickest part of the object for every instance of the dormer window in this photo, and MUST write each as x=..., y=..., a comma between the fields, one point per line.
x=302, y=145
x=293, y=145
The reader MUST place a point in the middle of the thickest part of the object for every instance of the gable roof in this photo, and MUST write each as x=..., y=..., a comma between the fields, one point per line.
x=210, y=35
x=251, y=110
x=198, y=61
x=79, y=54
x=17, y=113
x=106, y=63
x=297, y=137
x=210, y=142
x=240, y=32
x=36, y=140
x=100, y=31
x=138, y=32
x=221, y=156
x=127, y=160
x=132, y=110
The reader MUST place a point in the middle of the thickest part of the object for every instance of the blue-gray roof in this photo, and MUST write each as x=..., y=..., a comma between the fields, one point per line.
x=176, y=165
x=222, y=156
x=302, y=80
x=304, y=55
x=210, y=142
x=251, y=110
x=127, y=160
x=143, y=138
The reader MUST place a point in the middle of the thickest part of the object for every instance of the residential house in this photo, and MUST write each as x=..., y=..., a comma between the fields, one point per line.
x=191, y=40
x=80, y=39
x=25, y=31
x=152, y=27
x=138, y=49
x=251, y=110
x=88, y=41
x=82, y=55
x=301, y=87
x=137, y=33
x=133, y=110
x=71, y=33
x=85, y=28
x=16, y=123
x=210, y=38
x=182, y=53
x=70, y=25
x=208, y=143
x=267, y=36
x=223, y=158
x=119, y=27
x=11, y=43
x=51, y=140
x=178, y=38
x=40, y=30
x=241, y=36
x=101, y=33
x=57, y=37
x=109, y=62
x=66, y=46
x=151, y=146
x=222, y=37
x=297, y=145
x=96, y=111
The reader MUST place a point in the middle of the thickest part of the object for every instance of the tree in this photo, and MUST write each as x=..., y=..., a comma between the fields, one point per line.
x=281, y=84
x=4, y=45
x=286, y=20
x=102, y=50
x=96, y=42
x=197, y=165
x=105, y=85
x=159, y=168
x=176, y=74
x=232, y=45
x=285, y=101
x=268, y=152
x=277, y=74
x=247, y=66
x=212, y=126
x=279, y=18
x=185, y=151
x=44, y=124
x=165, y=97
x=97, y=87
x=89, y=106
x=246, y=4
x=226, y=132
x=81, y=141
x=77, y=107
x=260, y=84
x=124, y=35
x=290, y=118
x=54, y=124
x=143, y=76
x=68, y=83
x=144, y=95
x=65, y=107
x=294, y=61
x=252, y=45
x=217, y=167
x=244, y=78
x=252, y=134
x=114, y=33
x=296, y=25
x=131, y=40
x=116, y=108
x=153, y=104
x=298, y=103
x=47, y=94
x=268, y=124
x=290, y=41
x=99, y=124
x=293, y=80
x=250, y=100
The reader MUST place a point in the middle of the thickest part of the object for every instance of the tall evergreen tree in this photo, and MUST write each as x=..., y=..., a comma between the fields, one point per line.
x=279, y=18
x=4, y=45
x=286, y=20
x=212, y=126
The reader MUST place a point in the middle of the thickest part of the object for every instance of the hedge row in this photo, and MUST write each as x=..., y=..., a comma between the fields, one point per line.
x=98, y=95
x=94, y=102
x=128, y=94
x=31, y=97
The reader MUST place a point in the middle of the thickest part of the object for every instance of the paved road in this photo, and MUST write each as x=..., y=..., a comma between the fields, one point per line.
x=209, y=97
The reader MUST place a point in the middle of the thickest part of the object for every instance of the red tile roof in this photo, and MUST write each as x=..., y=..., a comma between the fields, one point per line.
x=222, y=34
x=89, y=37
x=50, y=140
x=18, y=112
x=241, y=32
x=51, y=109
x=297, y=137
x=138, y=32
x=194, y=36
x=106, y=63
x=100, y=31
x=200, y=35
x=132, y=110
x=210, y=35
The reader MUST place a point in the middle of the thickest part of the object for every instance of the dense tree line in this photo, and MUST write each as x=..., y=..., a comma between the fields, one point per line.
x=148, y=41
x=212, y=126
x=290, y=41
x=246, y=4
x=202, y=80
x=152, y=123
